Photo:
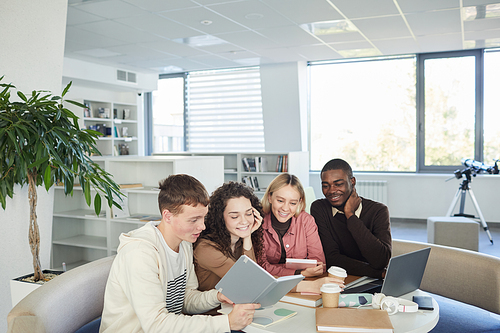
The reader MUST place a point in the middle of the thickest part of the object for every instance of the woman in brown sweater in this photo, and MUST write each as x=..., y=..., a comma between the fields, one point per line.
x=233, y=228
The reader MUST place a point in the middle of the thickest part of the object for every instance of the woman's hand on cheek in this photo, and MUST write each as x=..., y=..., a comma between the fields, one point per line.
x=257, y=220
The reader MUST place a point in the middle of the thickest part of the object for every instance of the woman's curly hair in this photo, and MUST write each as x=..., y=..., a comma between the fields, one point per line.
x=216, y=230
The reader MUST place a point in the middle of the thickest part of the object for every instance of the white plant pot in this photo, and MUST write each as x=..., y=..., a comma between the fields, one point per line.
x=20, y=289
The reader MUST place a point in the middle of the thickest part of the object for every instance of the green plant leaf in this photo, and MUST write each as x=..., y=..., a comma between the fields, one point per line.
x=76, y=103
x=22, y=96
x=97, y=204
x=46, y=177
x=86, y=191
x=38, y=162
x=67, y=88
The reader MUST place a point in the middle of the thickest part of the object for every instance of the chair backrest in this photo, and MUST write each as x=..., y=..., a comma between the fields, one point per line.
x=460, y=274
x=65, y=303
x=310, y=197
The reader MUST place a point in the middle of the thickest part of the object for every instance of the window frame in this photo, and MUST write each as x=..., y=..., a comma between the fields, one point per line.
x=420, y=103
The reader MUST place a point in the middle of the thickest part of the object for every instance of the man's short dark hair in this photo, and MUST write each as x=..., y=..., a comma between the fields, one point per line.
x=178, y=190
x=338, y=164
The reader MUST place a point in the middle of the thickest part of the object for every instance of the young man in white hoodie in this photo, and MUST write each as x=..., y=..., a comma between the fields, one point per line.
x=152, y=284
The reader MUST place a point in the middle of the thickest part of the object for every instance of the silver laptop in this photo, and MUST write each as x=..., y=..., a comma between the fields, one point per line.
x=404, y=274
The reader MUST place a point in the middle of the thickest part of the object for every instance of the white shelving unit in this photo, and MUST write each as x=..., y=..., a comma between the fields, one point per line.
x=79, y=236
x=298, y=165
x=118, y=122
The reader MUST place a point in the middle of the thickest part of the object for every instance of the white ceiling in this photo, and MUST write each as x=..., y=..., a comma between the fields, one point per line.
x=144, y=35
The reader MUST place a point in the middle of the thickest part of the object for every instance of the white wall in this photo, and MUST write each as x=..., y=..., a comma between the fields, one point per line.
x=80, y=70
x=418, y=196
x=31, y=57
x=284, y=104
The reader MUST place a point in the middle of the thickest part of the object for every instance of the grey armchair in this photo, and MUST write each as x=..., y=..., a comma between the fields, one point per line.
x=64, y=304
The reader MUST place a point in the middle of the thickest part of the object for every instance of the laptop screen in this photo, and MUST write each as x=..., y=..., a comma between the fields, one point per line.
x=405, y=272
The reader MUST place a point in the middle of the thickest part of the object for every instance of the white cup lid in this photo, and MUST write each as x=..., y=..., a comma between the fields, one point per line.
x=330, y=288
x=337, y=271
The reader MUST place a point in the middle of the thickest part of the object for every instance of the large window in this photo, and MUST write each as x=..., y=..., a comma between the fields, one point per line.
x=364, y=112
x=423, y=113
x=450, y=117
x=168, y=114
x=491, y=150
x=224, y=112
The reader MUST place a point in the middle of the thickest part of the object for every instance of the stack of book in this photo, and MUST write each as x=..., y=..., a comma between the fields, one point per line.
x=282, y=163
x=251, y=182
x=255, y=164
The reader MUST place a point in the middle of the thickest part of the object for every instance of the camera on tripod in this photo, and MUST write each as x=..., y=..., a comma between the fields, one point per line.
x=475, y=167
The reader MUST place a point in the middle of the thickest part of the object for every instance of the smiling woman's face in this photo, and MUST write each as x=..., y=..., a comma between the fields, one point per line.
x=284, y=203
x=239, y=218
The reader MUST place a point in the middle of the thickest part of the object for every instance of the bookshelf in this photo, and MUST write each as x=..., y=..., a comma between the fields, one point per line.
x=297, y=164
x=118, y=123
x=79, y=236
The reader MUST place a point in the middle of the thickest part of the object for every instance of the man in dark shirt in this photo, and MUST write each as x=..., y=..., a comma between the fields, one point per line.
x=355, y=232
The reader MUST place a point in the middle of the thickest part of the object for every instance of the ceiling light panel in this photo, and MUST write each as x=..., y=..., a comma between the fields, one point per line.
x=329, y=27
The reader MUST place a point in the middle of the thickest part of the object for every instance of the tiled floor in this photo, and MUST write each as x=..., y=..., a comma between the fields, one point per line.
x=417, y=231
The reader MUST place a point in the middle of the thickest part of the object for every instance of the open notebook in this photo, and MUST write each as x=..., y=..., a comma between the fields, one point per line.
x=247, y=282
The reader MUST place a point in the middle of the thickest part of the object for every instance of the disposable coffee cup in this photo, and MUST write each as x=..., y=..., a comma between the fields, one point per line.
x=337, y=272
x=330, y=293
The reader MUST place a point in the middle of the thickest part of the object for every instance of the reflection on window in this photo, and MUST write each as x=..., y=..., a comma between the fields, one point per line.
x=168, y=115
x=449, y=110
x=364, y=112
x=491, y=107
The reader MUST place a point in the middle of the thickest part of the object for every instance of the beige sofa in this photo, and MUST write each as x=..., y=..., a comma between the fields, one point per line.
x=65, y=303
x=459, y=274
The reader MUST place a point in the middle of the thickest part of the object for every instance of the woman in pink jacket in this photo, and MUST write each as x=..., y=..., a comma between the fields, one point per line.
x=288, y=231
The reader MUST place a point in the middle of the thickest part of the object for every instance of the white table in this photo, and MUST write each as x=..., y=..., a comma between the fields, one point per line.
x=305, y=320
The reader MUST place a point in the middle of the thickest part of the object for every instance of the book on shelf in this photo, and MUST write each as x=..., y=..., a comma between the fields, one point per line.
x=246, y=165
x=260, y=286
x=251, y=182
x=131, y=185
x=265, y=316
x=300, y=263
x=251, y=164
x=256, y=184
x=353, y=320
x=261, y=163
x=311, y=301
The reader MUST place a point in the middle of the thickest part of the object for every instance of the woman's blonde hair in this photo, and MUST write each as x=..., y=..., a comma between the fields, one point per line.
x=279, y=182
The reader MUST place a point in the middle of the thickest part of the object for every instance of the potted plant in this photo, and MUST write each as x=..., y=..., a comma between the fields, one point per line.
x=41, y=143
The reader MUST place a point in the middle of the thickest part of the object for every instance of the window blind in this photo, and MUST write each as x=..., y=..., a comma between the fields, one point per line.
x=224, y=111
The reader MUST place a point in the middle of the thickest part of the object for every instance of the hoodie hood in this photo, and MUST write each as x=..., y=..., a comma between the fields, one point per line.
x=145, y=233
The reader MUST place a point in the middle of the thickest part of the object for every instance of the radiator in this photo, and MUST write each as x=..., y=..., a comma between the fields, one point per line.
x=372, y=189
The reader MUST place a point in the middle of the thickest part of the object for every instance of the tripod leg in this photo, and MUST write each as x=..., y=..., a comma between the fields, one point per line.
x=481, y=217
x=453, y=203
